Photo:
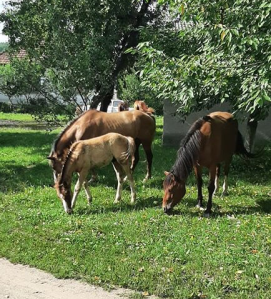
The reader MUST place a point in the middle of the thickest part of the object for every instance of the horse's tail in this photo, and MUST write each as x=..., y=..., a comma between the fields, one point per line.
x=130, y=152
x=240, y=148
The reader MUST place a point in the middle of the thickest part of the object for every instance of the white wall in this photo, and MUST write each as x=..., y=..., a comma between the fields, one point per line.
x=175, y=130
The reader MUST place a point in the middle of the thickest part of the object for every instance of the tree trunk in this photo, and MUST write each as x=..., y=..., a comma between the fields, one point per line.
x=252, y=125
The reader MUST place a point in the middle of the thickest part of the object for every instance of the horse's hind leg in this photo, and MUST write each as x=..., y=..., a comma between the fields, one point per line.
x=120, y=177
x=198, y=174
x=226, y=173
x=122, y=170
x=127, y=170
x=136, y=154
x=149, y=156
x=88, y=194
x=211, y=188
x=217, y=178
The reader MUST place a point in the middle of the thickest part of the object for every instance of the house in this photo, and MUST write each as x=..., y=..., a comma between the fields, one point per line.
x=5, y=57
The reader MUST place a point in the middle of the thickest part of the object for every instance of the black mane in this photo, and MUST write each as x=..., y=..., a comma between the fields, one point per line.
x=188, y=152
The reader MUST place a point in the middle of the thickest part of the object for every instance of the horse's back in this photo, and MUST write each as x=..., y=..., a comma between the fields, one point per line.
x=128, y=123
x=99, y=151
x=219, y=138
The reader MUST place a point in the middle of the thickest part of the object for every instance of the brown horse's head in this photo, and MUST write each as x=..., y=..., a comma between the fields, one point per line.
x=174, y=191
x=65, y=194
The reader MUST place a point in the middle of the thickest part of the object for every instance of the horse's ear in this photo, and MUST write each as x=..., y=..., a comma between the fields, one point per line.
x=166, y=173
x=51, y=158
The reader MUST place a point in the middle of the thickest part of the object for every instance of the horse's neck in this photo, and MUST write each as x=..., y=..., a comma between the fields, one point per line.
x=67, y=170
x=64, y=144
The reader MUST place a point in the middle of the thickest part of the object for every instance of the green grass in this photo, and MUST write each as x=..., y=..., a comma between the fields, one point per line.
x=16, y=116
x=137, y=246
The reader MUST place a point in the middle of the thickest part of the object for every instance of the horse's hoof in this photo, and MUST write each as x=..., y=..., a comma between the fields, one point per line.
x=116, y=201
x=200, y=207
x=207, y=214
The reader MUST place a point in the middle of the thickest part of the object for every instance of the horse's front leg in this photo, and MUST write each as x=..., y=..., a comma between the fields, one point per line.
x=198, y=174
x=211, y=188
x=77, y=188
x=88, y=194
x=94, y=177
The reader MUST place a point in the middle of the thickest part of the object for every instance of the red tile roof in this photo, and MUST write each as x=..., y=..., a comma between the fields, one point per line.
x=5, y=57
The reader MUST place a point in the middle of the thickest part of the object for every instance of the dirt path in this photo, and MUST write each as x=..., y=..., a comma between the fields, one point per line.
x=23, y=282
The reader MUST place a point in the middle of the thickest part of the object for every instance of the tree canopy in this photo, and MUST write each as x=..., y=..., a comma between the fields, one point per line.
x=217, y=51
x=79, y=44
x=202, y=53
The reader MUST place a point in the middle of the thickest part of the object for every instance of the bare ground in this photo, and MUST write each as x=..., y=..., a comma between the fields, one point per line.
x=23, y=282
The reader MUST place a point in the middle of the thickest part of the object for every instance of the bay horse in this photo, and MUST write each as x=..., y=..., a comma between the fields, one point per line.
x=211, y=140
x=85, y=155
x=142, y=106
x=93, y=123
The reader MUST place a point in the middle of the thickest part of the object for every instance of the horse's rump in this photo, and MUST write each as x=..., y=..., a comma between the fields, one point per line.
x=219, y=136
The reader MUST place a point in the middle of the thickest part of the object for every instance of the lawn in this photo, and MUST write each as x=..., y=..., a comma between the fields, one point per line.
x=16, y=116
x=137, y=246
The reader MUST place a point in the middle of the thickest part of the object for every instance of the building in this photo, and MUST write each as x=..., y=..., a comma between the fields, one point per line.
x=175, y=129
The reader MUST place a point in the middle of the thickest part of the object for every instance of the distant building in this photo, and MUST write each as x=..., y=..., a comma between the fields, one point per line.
x=5, y=57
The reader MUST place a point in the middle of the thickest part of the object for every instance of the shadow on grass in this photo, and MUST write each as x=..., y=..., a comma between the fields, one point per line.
x=35, y=139
x=140, y=204
x=16, y=177
x=188, y=207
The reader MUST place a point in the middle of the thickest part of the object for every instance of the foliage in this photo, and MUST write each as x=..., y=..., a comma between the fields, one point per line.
x=130, y=90
x=80, y=44
x=23, y=117
x=22, y=79
x=19, y=78
x=3, y=46
x=137, y=246
x=218, y=51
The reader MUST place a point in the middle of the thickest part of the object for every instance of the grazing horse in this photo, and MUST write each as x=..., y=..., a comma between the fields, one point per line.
x=93, y=123
x=211, y=140
x=142, y=106
x=85, y=155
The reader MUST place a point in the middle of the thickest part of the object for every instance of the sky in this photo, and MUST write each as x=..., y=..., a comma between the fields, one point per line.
x=3, y=38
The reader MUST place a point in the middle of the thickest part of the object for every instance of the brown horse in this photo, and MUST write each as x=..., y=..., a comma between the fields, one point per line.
x=93, y=123
x=211, y=140
x=142, y=106
x=93, y=153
